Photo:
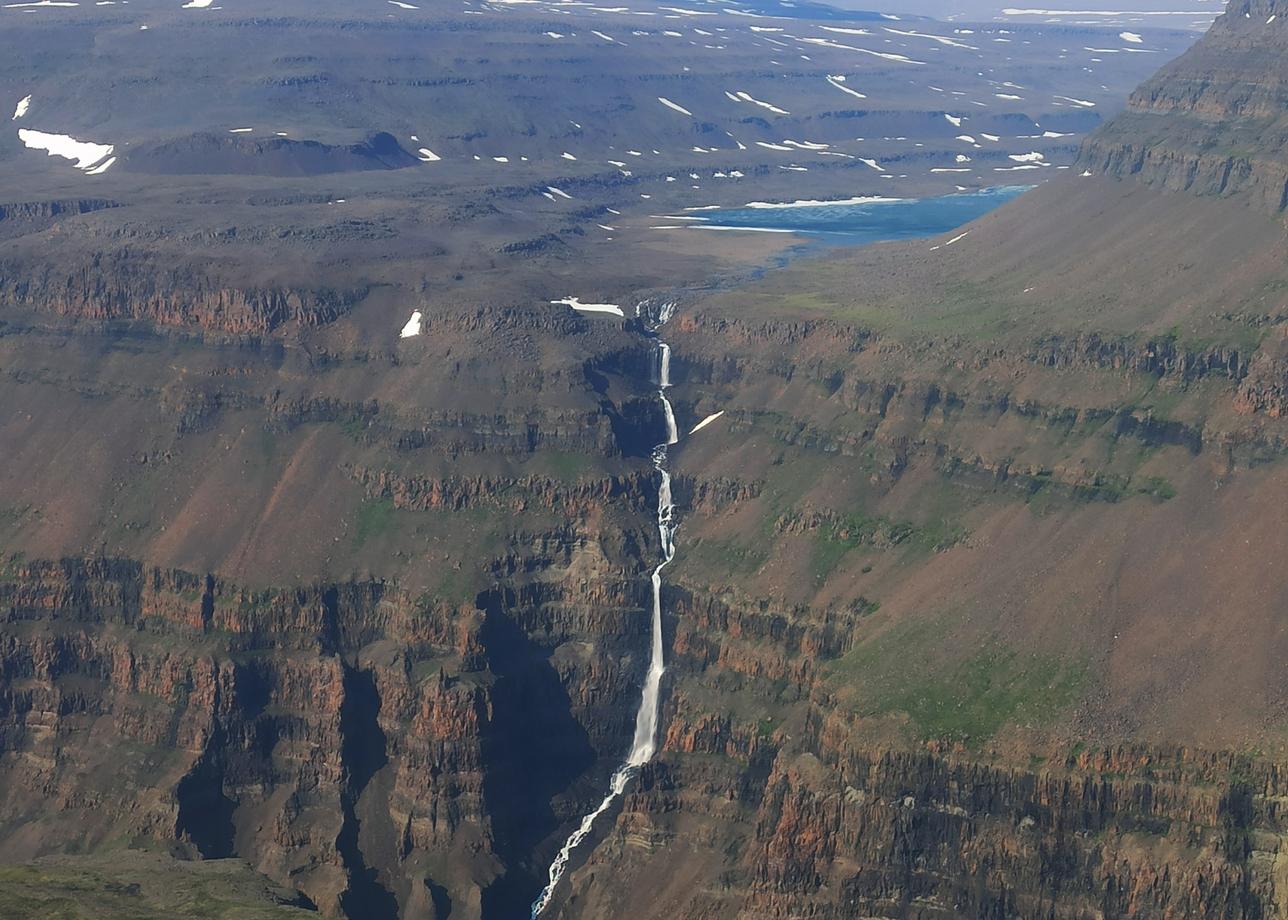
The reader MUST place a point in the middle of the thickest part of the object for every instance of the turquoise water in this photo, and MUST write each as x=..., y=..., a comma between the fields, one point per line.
x=873, y=221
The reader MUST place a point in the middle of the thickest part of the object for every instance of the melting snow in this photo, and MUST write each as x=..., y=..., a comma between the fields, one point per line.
x=1011, y=11
x=23, y=104
x=101, y=167
x=60, y=145
x=412, y=327
x=239, y=130
x=813, y=203
x=560, y=192
x=951, y=42
x=1033, y=157
x=953, y=120
x=576, y=304
x=671, y=105
x=889, y=56
x=202, y=4
x=705, y=422
x=428, y=156
x=747, y=97
x=837, y=80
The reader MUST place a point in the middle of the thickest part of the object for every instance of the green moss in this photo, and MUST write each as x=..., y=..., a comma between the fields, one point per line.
x=724, y=557
x=849, y=532
x=964, y=699
x=562, y=464
x=1158, y=488
x=100, y=890
x=375, y=517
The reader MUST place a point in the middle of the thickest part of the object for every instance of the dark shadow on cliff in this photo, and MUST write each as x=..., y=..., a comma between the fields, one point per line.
x=363, y=752
x=536, y=750
x=205, y=813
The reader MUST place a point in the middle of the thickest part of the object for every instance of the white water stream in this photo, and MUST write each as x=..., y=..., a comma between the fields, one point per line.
x=645, y=743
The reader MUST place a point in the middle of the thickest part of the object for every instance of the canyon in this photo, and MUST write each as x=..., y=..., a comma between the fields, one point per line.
x=953, y=591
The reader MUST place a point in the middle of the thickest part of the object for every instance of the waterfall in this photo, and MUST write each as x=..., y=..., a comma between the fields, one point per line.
x=644, y=744
x=664, y=381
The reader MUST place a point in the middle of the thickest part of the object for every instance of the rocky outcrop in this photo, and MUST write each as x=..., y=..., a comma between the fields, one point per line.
x=567, y=499
x=244, y=154
x=813, y=823
x=1211, y=122
x=343, y=738
x=122, y=285
x=28, y=213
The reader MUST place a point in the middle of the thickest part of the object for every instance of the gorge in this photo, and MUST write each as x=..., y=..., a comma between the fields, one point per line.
x=339, y=571
x=644, y=743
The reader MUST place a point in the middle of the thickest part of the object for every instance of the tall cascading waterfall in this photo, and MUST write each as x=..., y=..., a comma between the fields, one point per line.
x=644, y=744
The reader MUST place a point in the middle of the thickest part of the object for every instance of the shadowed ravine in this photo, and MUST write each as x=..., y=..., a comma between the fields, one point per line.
x=645, y=742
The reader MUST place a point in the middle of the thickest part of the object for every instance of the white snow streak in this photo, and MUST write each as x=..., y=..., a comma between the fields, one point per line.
x=60, y=145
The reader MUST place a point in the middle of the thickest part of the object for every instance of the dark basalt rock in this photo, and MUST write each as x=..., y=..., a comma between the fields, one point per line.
x=247, y=154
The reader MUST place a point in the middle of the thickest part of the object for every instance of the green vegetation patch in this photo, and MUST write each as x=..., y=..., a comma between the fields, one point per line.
x=838, y=537
x=375, y=517
x=98, y=890
x=562, y=464
x=966, y=699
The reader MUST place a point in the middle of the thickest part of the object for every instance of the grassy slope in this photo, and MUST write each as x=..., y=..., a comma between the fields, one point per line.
x=138, y=886
x=1111, y=585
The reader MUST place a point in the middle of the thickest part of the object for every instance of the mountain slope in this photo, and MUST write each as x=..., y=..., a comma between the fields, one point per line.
x=994, y=628
x=369, y=611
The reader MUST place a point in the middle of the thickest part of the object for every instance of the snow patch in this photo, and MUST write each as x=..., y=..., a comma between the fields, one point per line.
x=705, y=422
x=816, y=203
x=837, y=80
x=60, y=145
x=412, y=327
x=576, y=304
x=674, y=106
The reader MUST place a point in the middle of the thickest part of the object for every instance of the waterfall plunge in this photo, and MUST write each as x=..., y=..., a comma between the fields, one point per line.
x=644, y=744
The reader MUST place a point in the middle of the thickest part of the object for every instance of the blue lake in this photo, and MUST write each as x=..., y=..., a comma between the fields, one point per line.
x=872, y=221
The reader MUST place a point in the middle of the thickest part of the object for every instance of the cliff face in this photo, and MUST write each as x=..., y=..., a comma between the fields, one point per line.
x=382, y=752
x=1212, y=122
x=902, y=681
x=124, y=285
x=934, y=835
x=977, y=604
